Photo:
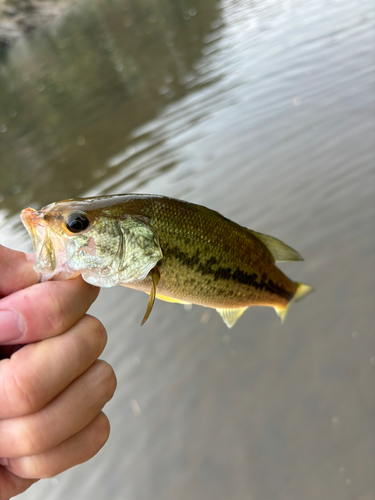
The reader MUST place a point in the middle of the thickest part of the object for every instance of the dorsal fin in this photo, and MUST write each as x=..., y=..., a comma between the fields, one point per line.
x=280, y=252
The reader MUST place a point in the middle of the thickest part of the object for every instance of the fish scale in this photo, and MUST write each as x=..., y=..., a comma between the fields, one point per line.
x=214, y=257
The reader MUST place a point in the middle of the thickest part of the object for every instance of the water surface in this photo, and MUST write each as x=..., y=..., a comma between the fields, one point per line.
x=264, y=111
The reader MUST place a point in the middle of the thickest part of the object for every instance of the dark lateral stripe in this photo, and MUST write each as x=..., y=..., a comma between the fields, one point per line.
x=212, y=268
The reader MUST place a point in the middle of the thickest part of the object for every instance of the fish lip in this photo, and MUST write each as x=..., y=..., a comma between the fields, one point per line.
x=38, y=230
x=31, y=217
x=33, y=220
x=51, y=263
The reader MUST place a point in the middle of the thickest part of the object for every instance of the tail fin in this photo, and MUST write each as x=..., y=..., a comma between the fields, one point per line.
x=301, y=291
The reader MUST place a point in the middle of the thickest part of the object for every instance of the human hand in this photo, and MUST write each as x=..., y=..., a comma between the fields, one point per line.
x=53, y=387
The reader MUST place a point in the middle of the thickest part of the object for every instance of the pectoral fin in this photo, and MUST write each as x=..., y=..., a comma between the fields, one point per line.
x=230, y=316
x=151, y=299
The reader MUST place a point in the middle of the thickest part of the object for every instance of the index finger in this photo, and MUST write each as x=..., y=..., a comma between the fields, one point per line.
x=44, y=310
x=16, y=271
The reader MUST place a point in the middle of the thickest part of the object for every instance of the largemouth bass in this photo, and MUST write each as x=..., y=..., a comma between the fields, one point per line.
x=171, y=249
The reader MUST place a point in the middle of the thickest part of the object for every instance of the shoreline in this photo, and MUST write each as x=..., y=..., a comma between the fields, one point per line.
x=19, y=17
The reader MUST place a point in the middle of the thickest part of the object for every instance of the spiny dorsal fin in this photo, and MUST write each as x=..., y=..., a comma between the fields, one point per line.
x=280, y=252
x=230, y=316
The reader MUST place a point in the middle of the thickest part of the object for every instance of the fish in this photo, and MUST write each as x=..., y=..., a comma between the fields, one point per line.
x=171, y=249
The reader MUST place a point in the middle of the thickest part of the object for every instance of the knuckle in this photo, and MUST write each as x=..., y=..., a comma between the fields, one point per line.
x=25, y=397
x=97, y=332
x=24, y=392
x=25, y=467
x=96, y=435
x=92, y=336
x=42, y=468
x=101, y=430
x=28, y=437
x=95, y=290
x=55, y=314
x=107, y=378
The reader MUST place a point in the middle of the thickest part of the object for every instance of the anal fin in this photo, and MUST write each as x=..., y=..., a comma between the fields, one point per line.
x=230, y=316
x=282, y=311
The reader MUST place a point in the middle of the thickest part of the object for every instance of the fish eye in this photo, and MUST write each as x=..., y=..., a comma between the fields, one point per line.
x=77, y=222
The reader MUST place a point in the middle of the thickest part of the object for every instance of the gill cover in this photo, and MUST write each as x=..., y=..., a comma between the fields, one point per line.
x=138, y=251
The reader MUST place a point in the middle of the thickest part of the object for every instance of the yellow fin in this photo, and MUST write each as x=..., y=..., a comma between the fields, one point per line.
x=230, y=316
x=282, y=311
x=280, y=252
x=151, y=299
x=170, y=299
x=302, y=291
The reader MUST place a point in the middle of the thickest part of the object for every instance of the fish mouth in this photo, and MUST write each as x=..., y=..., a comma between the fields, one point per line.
x=49, y=250
x=35, y=225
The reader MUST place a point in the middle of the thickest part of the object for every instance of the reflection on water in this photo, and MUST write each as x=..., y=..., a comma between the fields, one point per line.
x=264, y=111
x=71, y=98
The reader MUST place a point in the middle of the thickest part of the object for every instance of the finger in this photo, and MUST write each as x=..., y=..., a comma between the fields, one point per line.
x=16, y=271
x=44, y=310
x=38, y=372
x=66, y=415
x=12, y=485
x=73, y=451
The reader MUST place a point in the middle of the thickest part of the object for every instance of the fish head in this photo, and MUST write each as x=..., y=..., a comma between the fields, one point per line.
x=70, y=238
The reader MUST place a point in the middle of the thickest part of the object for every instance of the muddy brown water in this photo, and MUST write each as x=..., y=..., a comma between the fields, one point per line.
x=264, y=111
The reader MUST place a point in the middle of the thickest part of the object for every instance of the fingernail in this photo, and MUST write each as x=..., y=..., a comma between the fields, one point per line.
x=11, y=326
